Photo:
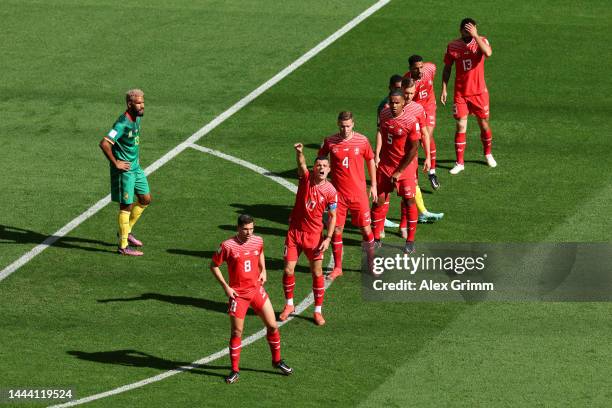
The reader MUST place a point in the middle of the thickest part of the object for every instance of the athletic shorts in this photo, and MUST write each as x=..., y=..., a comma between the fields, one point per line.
x=359, y=208
x=406, y=187
x=124, y=184
x=239, y=306
x=477, y=105
x=430, y=114
x=300, y=241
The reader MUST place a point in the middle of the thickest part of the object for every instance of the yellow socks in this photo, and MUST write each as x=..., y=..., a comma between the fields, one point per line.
x=124, y=228
x=418, y=197
x=137, y=210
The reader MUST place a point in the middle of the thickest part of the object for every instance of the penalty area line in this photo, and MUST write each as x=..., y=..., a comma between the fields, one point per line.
x=303, y=305
x=28, y=256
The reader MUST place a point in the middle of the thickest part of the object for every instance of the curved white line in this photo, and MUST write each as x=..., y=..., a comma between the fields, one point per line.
x=245, y=342
x=28, y=256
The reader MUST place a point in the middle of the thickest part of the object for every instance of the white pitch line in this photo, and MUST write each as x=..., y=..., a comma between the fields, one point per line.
x=248, y=165
x=197, y=135
x=248, y=340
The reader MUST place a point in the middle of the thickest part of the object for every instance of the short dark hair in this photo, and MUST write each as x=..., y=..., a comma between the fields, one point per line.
x=244, y=219
x=466, y=21
x=408, y=83
x=395, y=78
x=413, y=59
x=321, y=158
x=345, y=115
x=396, y=92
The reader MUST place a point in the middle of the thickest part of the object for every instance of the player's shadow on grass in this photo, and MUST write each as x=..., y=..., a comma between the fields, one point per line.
x=212, y=305
x=189, y=252
x=272, y=212
x=452, y=163
x=16, y=235
x=135, y=358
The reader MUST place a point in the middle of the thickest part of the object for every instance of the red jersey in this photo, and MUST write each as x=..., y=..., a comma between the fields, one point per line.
x=417, y=110
x=346, y=160
x=469, y=71
x=242, y=262
x=311, y=201
x=424, y=94
x=397, y=133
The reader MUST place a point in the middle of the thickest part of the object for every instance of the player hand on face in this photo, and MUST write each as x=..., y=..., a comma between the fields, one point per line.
x=122, y=165
x=471, y=29
x=299, y=147
x=231, y=293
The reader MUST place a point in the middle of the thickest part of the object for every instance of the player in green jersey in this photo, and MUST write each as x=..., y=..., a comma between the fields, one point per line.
x=129, y=186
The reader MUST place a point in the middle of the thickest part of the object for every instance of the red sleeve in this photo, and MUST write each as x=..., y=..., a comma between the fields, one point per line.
x=368, y=153
x=324, y=150
x=220, y=256
x=332, y=198
x=414, y=132
x=448, y=58
x=304, y=176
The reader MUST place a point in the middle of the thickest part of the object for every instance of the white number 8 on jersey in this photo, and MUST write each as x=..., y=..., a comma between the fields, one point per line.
x=247, y=266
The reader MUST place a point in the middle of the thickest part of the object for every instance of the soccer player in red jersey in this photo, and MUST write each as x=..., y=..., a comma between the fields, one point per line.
x=423, y=74
x=348, y=150
x=314, y=195
x=244, y=255
x=471, y=95
x=399, y=132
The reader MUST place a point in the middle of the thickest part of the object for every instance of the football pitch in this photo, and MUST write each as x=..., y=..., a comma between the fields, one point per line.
x=79, y=316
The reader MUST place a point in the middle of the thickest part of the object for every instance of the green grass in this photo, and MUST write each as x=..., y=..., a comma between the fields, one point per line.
x=79, y=316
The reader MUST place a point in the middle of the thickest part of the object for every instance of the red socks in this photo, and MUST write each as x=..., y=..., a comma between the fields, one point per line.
x=486, y=139
x=337, y=250
x=413, y=217
x=235, y=345
x=288, y=285
x=432, y=151
x=459, y=146
x=379, y=213
x=318, y=289
x=403, y=215
x=275, y=346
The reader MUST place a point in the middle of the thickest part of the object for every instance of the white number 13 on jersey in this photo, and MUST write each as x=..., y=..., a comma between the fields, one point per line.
x=247, y=266
x=467, y=64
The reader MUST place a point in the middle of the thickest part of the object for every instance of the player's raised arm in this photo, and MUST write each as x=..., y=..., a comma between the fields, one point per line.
x=483, y=44
x=299, y=158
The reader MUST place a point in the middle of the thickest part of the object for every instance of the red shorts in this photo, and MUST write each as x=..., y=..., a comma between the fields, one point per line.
x=359, y=208
x=300, y=241
x=477, y=105
x=256, y=298
x=406, y=187
x=430, y=113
